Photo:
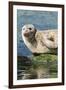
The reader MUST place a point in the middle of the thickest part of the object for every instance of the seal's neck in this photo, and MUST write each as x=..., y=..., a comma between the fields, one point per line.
x=32, y=39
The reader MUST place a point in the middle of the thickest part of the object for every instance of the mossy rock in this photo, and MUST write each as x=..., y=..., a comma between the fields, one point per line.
x=44, y=60
x=43, y=57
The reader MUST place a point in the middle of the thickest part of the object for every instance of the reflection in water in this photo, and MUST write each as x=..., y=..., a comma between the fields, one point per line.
x=36, y=67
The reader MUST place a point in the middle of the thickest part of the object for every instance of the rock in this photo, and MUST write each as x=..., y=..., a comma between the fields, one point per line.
x=24, y=61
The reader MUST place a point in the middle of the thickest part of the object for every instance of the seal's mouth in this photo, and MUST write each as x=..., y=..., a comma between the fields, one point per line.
x=26, y=34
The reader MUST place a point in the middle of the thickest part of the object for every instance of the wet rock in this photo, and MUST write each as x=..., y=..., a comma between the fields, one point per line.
x=24, y=61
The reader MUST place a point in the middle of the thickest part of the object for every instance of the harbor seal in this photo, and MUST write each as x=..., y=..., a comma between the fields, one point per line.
x=40, y=41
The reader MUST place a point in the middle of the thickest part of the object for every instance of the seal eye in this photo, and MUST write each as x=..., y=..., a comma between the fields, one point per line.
x=30, y=28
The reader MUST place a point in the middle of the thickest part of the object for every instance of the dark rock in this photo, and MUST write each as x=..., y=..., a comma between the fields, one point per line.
x=24, y=61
